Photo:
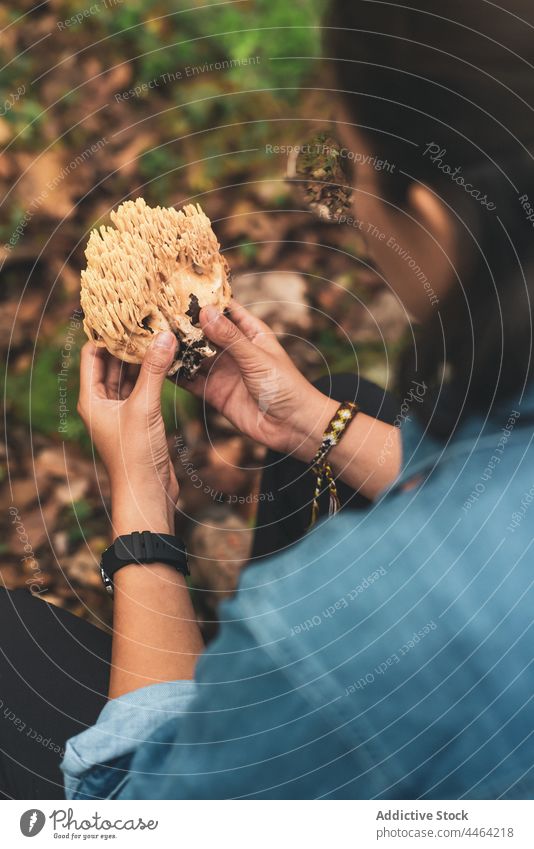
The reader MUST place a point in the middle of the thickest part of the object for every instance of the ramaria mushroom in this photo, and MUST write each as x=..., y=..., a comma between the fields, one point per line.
x=153, y=271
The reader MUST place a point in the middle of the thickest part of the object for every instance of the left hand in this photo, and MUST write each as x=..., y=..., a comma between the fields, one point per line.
x=256, y=386
x=120, y=405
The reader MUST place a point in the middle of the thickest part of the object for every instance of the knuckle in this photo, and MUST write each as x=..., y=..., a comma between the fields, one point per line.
x=156, y=363
x=230, y=331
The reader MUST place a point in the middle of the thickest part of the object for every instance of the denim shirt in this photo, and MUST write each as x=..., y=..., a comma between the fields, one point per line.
x=389, y=654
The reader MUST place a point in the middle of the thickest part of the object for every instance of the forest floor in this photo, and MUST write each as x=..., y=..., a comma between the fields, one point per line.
x=306, y=278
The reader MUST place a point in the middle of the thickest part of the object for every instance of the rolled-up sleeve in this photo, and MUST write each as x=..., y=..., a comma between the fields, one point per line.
x=268, y=715
x=99, y=758
x=243, y=729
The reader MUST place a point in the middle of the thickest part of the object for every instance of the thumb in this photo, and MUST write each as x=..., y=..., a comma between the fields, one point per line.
x=227, y=336
x=156, y=364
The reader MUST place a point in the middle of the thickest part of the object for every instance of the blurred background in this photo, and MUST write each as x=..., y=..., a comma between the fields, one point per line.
x=114, y=100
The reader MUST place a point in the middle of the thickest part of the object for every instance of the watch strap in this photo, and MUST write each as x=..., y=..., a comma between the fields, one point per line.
x=142, y=547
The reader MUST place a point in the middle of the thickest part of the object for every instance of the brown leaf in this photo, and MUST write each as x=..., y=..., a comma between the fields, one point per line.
x=219, y=548
x=279, y=298
x=35, y=527
x=222, y=471
x=46, y=187
x=82, y=567
x=24, y=493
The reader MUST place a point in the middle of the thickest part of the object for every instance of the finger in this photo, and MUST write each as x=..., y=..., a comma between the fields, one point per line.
x=156, y=364
x=92, y=371
x=254, y=328
x=120, y=378
x=128, y=379
x=229, y=337
x=248, y=323
x=113, y=378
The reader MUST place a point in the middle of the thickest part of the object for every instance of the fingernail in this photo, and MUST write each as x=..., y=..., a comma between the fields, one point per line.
x=164, y=340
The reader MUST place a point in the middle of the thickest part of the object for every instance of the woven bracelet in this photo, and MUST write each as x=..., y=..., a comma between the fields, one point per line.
x=321, y=468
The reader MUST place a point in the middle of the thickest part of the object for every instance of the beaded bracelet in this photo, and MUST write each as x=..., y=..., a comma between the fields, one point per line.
x=332, y=435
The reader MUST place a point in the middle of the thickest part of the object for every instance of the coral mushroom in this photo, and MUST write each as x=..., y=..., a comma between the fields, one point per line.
x=153, y=271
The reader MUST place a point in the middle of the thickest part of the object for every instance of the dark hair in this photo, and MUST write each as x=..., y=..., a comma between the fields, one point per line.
x=460, y=75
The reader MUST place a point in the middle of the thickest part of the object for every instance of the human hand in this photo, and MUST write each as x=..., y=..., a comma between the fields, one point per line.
x=120, y=405
x=255, y=385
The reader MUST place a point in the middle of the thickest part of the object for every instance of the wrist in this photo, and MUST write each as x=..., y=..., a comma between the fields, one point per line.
x=312, y=422
x=131, y=511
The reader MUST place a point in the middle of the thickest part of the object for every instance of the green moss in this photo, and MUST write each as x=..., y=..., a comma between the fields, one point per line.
x=33, y=396
x=81, y=520
x=248, y=251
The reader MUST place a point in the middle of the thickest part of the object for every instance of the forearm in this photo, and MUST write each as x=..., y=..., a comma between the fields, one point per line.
x=155, y=633
x=367, y=458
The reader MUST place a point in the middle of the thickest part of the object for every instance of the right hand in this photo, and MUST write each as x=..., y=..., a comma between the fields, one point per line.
x=255, y=385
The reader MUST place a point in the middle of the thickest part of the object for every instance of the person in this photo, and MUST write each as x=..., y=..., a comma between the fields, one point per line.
x=388, y=652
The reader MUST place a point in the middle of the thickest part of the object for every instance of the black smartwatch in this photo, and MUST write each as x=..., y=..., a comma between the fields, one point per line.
x=142, y=547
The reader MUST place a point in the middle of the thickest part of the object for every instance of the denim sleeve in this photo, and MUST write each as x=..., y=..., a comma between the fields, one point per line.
x=271, y=713
x=267, y=719
x=98, y=759
x=249, y=732
x=259, y=721
x=254, y=725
